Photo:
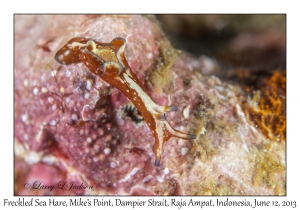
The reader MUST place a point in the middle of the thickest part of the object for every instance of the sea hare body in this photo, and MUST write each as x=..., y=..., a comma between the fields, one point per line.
x=108, y=61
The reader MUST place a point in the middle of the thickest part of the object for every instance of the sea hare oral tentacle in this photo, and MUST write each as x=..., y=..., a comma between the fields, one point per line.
x=109, y=62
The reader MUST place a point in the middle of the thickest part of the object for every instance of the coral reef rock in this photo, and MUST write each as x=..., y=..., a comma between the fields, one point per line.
x=72, y=127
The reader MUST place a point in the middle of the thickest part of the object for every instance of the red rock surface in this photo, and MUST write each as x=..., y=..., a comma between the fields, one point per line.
x=70, y=125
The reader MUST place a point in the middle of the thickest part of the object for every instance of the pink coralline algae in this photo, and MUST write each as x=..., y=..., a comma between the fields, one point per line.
x=73, y=127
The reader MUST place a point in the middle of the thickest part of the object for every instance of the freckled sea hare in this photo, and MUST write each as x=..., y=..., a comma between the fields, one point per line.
x=70, y=125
